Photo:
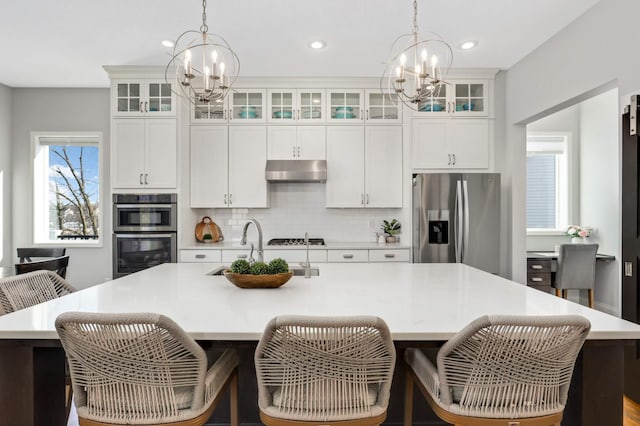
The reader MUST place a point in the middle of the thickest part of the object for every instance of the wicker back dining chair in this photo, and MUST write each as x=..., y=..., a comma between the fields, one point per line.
x=576, y=269
x=25, y=290
x=500, y=371
x=57, y=264
x=333, y=370
x=142, y=368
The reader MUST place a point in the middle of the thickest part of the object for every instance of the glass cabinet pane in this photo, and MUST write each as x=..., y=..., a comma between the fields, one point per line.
x=310, y=106
x=345, y=106
x=282, y=106
x=247, y=105
x=128, y=99
x=469, y=97
x=159, y=97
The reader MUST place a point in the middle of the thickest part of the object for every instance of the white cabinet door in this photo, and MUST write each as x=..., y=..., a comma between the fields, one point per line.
x=451, y=143
x=209, y=166
x=469, y=142
x=312, y=142
x=430, y=145
x=345, y=106
x=144, y=97
x=382, y=107
x=282, y=143
x=345, y=166
x=128, y=153
x=247, y=160
x=161, y=155
x=383, y=166
x=144, y=153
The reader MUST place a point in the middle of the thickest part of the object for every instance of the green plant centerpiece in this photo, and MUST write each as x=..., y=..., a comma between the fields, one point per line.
x=245, y=274
x=391, y=228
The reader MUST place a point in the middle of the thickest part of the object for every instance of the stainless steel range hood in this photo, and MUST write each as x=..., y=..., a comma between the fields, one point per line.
x=296, y=171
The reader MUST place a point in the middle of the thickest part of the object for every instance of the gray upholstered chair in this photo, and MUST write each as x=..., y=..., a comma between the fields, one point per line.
x=324, y=370
x=500, y=370
x=142, y=369
x=576, y=269
x=25, y=290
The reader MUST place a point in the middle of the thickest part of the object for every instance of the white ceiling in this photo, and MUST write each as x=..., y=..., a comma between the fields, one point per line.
x=65, y=43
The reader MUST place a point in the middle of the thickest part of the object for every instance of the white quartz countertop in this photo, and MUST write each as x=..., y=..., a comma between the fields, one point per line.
x=419, y=302
x=331, y=245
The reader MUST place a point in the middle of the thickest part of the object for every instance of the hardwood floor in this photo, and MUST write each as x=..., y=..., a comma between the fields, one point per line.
x=631, y=413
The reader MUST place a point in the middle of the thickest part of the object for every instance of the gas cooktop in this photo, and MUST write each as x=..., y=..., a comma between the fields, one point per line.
x=295, y=242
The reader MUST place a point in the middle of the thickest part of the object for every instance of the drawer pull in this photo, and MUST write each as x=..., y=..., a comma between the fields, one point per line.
x=536, y=266
x=389, y=255
x=347, y=256
x=200, y=256
x=242, y=256
x=536, y=279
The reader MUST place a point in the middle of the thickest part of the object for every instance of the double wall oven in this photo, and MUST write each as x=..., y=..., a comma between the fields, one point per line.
x=144, y=231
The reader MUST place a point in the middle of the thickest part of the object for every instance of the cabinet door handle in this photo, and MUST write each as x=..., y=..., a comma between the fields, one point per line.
x=294, y=152
x=367, y=114
x=454, y=159
x=146, y=107
x=146, y=178
x=347, y=256
x=536, y=279
x=225, y=199
x=140, y=109
x=536, y=266
x=141, y=182
x=361, y=115
x=389, y=255
x=230, y=115
x=362, y=199
x=367, y=199
x=449, y=163
x=200, y=256
x=230, y=202
x=298, y=152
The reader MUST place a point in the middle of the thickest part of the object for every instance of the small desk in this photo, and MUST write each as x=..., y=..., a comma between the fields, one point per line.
x=542, y=266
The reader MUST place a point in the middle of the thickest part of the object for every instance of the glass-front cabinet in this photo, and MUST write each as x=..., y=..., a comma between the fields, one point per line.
x=346, y=106
x=382, y=107
x=296, y=106
x=248, y=106
x=143, y=97
x=210, y=112
x=457, y=98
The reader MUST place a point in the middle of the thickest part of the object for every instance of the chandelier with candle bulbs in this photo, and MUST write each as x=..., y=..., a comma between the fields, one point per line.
x=203, y=67
x=417, y=68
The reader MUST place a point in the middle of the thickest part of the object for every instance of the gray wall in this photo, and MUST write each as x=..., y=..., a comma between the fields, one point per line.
x=41, y=110
x=5, y=176
x=589, y=56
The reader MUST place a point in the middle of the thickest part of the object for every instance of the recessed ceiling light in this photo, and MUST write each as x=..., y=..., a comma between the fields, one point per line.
x=167, y=43
x=468, y=45
x=317, y=44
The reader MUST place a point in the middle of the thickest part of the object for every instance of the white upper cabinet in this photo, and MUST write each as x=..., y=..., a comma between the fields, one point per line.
x=142, y=97
x=383, y=108
x=248, y=106
x=227, y=166
x=364, y=166
x=296, y=142
x=346, y=106
x=210, y=112
x=296, y=106
x=451, y=144
x=459, y=98
x=143, y=153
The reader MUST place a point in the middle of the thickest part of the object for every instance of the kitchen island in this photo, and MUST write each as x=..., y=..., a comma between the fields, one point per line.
x=423, y=304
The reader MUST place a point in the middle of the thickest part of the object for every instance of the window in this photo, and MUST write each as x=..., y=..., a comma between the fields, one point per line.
x=547, y=182
x=66, y=188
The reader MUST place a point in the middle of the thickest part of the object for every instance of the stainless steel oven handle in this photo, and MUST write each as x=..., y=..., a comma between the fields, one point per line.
x=143, y=206
x=144, y=235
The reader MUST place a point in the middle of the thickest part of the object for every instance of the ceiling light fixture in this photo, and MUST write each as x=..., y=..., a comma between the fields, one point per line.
x=468, y=45
x=417, y=68
x=317, y=44
x=203, y=67
x=167, y=43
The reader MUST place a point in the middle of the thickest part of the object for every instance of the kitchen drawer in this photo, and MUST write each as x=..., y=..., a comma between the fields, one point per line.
x=536, y=266
x=296, y=256
x=539, y=278
x=391, y=255
x=348, y=256
x=200, y=255
x=231, y=255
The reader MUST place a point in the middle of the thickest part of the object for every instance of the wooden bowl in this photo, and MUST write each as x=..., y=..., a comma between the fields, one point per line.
x=258, y=281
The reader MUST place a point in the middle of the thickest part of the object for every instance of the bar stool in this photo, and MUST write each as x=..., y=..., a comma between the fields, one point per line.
x=576, y=269
x=324, y=370
x=500, y=371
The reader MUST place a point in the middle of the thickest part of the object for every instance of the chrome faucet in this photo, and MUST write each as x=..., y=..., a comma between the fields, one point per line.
x=244, y=237
x=306, y=265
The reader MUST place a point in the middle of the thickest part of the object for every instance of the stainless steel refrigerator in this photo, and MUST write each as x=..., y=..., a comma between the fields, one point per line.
x=456, y=218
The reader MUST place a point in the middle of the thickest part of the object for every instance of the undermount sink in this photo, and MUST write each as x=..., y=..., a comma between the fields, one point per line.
x=297, y=270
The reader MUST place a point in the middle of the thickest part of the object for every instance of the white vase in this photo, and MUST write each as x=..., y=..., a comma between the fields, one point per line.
x=578, y=240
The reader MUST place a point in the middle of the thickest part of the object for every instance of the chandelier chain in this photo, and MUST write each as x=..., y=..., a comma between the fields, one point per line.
x=204, y=27
x=415, y=17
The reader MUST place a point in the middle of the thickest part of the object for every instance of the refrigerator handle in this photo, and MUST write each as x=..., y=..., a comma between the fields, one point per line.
x=457, y=213
x=465, y=245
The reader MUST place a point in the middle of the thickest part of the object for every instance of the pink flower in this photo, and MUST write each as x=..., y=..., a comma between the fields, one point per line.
x=583, y=233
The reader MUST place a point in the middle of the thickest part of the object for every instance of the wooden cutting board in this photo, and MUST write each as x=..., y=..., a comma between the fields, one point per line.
x=207, y=231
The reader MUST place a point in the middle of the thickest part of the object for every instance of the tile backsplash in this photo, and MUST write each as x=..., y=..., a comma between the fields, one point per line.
x=296, y=208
